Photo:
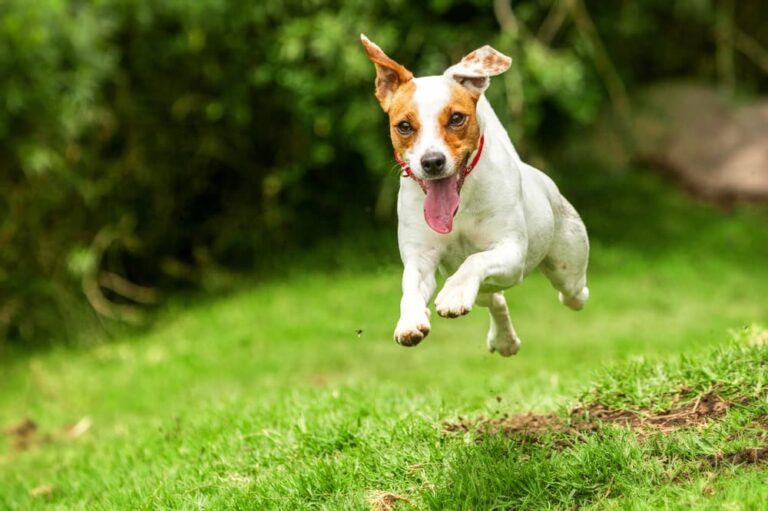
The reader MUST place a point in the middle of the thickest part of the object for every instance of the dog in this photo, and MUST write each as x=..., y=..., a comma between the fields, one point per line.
x=468, y=206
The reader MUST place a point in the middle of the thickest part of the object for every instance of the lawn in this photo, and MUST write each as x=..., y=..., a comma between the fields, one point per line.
x=291, y=394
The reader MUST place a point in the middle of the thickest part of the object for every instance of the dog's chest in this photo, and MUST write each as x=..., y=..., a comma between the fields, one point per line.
x=471, y=235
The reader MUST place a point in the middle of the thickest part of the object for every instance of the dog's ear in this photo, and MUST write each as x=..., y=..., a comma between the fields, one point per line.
x=389, y=74
x=475, y=70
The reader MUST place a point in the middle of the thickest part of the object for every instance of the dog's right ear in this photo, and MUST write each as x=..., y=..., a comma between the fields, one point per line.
x=389, y=74
x=475, y=70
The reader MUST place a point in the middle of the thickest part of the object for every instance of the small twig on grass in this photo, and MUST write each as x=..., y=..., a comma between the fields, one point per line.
x=610, y=487
x=698, y=402
x=386, y=501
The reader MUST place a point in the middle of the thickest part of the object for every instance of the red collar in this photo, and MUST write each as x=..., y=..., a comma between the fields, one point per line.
x=469, y=168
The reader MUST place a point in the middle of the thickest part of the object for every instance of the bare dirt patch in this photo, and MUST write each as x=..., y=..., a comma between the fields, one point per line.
x=27, y=434
x=698, y=411
x=529, y=423
x=22, y=435
x=749, y=456
x=590, y=417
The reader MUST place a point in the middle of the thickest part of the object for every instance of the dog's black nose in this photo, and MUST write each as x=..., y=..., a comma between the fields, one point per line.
x=433, y=163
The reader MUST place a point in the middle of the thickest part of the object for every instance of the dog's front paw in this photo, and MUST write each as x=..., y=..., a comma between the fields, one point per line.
x=411, y=330
x=456, y=298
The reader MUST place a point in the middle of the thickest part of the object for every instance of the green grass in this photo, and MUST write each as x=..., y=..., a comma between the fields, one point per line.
x=269, y=399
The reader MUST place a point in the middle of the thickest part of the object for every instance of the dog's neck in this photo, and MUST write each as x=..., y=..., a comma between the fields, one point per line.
x=498, y=147
x=491, y=126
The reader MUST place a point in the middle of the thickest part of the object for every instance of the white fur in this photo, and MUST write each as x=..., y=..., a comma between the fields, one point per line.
x=511, y=220
x=430, y=99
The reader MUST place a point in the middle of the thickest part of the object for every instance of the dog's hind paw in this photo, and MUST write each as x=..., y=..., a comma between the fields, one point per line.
x=577, y=301
x=411, y=331
x=505, y=344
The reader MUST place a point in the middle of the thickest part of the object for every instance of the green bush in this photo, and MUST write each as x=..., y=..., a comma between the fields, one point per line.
x=158, y=141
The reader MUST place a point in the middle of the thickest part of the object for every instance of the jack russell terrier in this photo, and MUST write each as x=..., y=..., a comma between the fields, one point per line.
x=468, y=205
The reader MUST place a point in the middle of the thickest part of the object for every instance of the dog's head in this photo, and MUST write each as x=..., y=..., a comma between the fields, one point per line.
x=433, y=122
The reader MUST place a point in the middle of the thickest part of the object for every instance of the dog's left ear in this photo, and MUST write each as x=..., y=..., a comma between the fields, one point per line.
x=475, y=70
x=389, y=74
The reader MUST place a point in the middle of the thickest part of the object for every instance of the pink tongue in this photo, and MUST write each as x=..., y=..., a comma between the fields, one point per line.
x=441, y=203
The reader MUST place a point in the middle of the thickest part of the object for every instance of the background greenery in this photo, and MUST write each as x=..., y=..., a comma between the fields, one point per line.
x=172, y=145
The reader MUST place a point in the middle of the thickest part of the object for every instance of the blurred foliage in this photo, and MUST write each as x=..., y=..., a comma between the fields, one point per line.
x=171, y=143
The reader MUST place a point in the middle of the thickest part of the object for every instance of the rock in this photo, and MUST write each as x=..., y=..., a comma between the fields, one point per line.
x=717, y=151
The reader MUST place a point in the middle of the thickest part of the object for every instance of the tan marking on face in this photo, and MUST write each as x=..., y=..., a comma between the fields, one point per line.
x=403, y=108
x=462, y=140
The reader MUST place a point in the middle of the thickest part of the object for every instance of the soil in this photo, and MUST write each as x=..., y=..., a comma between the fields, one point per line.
x=700, y=410
x=750, y=456
x=22, y=435
x=590, y=417
x=532, y=427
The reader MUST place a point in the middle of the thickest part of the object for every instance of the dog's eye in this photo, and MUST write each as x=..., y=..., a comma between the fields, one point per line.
x=457, y=119
x=405, y=128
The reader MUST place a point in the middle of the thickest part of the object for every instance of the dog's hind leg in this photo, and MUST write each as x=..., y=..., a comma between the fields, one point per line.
x=566, y=263
x=502, y=337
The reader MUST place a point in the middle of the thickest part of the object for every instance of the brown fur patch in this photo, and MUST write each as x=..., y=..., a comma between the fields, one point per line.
x=485, y=61
x=495, y=63
x=461, y=140
x=471, y=57
x=403, y=108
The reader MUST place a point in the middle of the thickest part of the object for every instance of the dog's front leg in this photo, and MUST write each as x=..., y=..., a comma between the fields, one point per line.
x=502, y=266
x=418, y=287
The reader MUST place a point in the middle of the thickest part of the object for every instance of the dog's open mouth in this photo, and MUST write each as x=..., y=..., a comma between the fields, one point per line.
x=441, y=202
